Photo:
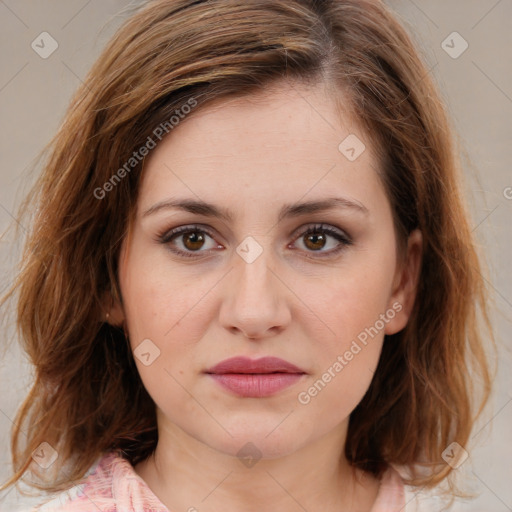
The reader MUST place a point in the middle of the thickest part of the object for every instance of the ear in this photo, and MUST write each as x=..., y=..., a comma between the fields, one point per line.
x=113, y=311
x=405, y=284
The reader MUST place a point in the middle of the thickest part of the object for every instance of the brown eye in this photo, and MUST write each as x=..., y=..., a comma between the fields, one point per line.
x=324, y=240
x=193, y=240
x=315, y=241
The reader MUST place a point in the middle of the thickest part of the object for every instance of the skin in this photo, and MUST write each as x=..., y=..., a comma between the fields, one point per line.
x=252, y=155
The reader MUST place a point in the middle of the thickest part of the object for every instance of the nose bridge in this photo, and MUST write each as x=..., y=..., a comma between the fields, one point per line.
x=255, y=302
x=253, y=278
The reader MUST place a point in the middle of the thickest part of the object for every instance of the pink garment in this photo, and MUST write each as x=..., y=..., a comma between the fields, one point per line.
x=112, y=485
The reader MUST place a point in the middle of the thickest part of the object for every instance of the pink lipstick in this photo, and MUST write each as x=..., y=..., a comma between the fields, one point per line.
x=255, y=378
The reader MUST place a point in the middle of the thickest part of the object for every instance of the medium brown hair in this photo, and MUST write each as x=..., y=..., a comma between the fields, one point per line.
x=87, y=397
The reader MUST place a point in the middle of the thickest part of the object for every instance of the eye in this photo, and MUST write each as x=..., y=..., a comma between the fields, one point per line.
x=187, y=240
x=190, y=241
x=316, y=239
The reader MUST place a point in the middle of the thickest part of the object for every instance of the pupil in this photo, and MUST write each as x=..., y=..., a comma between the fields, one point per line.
x=316, y=238
x=194, y=238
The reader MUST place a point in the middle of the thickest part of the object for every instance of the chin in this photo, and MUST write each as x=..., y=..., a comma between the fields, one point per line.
x=256, y=439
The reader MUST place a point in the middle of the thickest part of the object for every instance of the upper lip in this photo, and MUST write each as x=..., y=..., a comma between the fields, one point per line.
x=247, y=365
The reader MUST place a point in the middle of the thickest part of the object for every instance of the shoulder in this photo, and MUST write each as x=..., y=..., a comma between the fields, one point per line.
x=391, y=494
x=395, y=496
x=110, y=485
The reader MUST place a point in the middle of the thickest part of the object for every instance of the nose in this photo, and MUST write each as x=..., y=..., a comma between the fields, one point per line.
x=255, y=299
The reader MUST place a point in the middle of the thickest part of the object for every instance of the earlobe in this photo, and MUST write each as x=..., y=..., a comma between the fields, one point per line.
x=405, y=285
x=113, y=311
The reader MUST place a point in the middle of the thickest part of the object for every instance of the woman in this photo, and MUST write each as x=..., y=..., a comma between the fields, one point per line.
x=251, y=283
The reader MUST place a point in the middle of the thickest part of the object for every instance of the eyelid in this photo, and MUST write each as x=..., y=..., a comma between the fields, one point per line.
x=342, y=236
x=167, y=234
x=322, y=226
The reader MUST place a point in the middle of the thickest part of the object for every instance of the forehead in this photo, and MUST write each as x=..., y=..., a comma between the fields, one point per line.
x=279, y=142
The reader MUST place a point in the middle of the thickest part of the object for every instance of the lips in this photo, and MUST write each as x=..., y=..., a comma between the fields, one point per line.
x=255, y=378
x=263, y=365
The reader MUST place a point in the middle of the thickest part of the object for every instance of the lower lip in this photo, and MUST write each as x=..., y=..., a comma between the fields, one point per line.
x=256, y=385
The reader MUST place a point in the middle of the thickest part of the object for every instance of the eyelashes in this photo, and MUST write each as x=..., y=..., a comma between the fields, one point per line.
x=197, y=234
x=323, y=233
x=168, y=237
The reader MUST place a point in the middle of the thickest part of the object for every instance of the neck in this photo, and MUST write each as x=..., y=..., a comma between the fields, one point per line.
x=186, y=474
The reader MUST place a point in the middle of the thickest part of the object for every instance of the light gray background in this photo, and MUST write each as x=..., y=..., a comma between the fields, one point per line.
x=477, y=87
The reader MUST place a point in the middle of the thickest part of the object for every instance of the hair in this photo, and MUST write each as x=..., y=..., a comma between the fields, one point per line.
x=87, y=397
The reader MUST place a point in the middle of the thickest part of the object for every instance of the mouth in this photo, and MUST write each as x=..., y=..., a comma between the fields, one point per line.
x=255, y=378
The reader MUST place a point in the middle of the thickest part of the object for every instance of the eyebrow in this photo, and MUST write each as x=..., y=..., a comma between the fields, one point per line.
x=287, y=211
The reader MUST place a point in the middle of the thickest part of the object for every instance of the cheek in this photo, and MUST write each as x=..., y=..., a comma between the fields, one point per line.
x=163, y=303
x=345, y=363
x=353, y=300
x=355, y=306
x=172, y=309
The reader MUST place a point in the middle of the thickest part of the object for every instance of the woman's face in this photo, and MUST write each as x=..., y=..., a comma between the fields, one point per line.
x=246, y=279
